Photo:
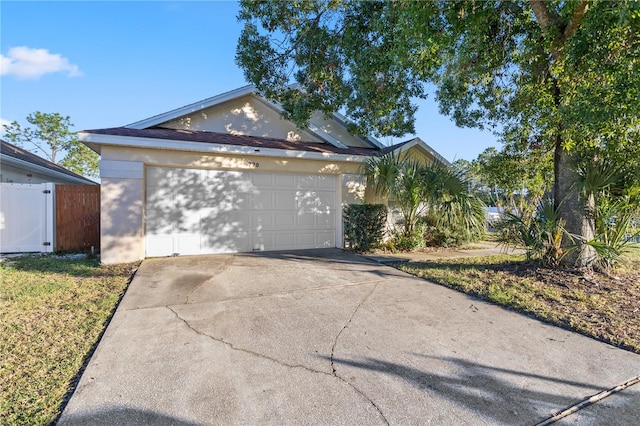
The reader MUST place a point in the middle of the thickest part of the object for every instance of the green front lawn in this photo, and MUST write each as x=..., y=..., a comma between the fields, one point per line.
x=601, y=307
x=53, y=312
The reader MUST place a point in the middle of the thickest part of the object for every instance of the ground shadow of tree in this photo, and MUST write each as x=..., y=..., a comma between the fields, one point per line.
x=123, y=416
x=491, y=391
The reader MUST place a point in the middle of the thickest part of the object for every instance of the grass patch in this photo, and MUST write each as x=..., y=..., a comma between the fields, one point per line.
x=598, y=306
x=53, y=312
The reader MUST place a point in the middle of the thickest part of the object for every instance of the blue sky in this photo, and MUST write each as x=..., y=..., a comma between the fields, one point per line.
x=108, y=64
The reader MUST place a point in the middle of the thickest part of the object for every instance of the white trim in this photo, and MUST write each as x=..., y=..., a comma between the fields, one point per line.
x=419, y=142
x=49, y=218
x=121, y=169
x=213, y=148
x=327, y=137
x=343, y=120
x=196, y=106
x=54, y=174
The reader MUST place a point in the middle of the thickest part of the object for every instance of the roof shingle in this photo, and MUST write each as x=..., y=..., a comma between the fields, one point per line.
x=13, y=151
x=229, y=139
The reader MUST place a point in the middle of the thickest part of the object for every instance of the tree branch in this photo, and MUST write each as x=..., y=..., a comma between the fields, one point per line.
x=550, y=23
x=545, y=17
x=576, y=19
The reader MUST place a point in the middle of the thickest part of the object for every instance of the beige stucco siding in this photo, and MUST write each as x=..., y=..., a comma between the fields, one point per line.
x=251, y=116
x=121, y=220
x=244, y=116
x=227, y=161
x=336, y=131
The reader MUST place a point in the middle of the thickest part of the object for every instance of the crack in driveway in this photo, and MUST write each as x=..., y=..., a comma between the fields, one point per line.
x=333, y=348
x=297, y=366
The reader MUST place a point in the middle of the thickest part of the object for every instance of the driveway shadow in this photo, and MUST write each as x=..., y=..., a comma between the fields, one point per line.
x=492, y=392
x=123, y=416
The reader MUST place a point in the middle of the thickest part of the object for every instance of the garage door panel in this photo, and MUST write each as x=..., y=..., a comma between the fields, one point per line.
x=326, y=182
x=306, y=239
x=326, y=239
x=264, y=180
x=263, y=200
x=285, y=181
x=283, y=240
x=188, y=244
x=285, y=199
x=159, y=245
x=263, y=220
x=285, y=220
x=306, y=220
x=326, y=201
x=213, y=211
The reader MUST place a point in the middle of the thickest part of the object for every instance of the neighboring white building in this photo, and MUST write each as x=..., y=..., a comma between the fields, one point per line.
x=228, y=174
x=20, y=166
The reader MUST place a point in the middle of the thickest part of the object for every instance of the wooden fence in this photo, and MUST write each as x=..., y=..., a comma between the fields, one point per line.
x=77, y=217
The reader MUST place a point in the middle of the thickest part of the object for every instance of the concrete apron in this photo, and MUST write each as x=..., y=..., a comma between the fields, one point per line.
x=328, y=337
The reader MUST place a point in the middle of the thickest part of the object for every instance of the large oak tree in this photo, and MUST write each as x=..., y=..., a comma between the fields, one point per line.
x=557, y=75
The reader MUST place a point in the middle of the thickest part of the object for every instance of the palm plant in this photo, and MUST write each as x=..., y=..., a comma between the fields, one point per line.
x=399, y=179
x=541, y=234
x=451, y=205
x=616, y=208
x=417, y=189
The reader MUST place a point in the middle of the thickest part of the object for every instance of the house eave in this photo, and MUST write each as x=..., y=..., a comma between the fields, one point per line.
x=93, y=139
x=191, y=108
x=422, y=144
x=54, y=174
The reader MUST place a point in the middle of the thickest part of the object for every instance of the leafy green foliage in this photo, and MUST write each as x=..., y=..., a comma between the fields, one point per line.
x=364, y=225
x=419, y=191
x=557, y=77
x=541, y=235
x=517, y=180
x=52, y=135
x=616, y=212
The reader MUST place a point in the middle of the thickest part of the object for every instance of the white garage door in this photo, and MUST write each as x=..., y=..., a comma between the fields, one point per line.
x=191, y=211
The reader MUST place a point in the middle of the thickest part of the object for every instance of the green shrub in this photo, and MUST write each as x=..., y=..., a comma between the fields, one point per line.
x=540, y=235
x=617, y=230
x=364, y=226
x=400, y=242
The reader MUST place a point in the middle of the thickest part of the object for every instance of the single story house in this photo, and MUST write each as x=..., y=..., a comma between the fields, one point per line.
x=18, y=165
x=228, y=174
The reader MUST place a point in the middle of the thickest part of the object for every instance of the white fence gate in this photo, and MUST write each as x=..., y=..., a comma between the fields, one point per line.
x=27, y=219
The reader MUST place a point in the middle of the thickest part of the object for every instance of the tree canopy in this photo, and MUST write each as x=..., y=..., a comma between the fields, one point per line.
x=51, y=135
x=559, y=77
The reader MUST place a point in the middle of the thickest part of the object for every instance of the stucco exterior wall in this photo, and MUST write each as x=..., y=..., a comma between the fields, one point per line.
x=336, y=131
x=251, y=116
x=121, y=220
x=123, y=174
x=244, y=116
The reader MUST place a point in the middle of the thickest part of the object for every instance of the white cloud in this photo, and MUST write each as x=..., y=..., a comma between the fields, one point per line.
x=2, y=123
x=26, y=63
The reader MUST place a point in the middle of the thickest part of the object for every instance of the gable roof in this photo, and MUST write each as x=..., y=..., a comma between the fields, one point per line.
x=159, y=137
x=14, y=155
x=416, y=143
x=238, y=93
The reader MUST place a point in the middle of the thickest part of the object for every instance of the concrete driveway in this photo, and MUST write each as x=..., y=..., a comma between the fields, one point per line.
x=328, y=337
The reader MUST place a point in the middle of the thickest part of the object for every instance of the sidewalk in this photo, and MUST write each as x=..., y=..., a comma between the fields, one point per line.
x=475, y=250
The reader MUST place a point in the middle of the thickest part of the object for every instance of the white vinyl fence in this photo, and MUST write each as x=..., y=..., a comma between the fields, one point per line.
x=26, y=217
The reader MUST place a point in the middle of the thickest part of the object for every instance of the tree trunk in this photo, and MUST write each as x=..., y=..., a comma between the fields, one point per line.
x=575, y=210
